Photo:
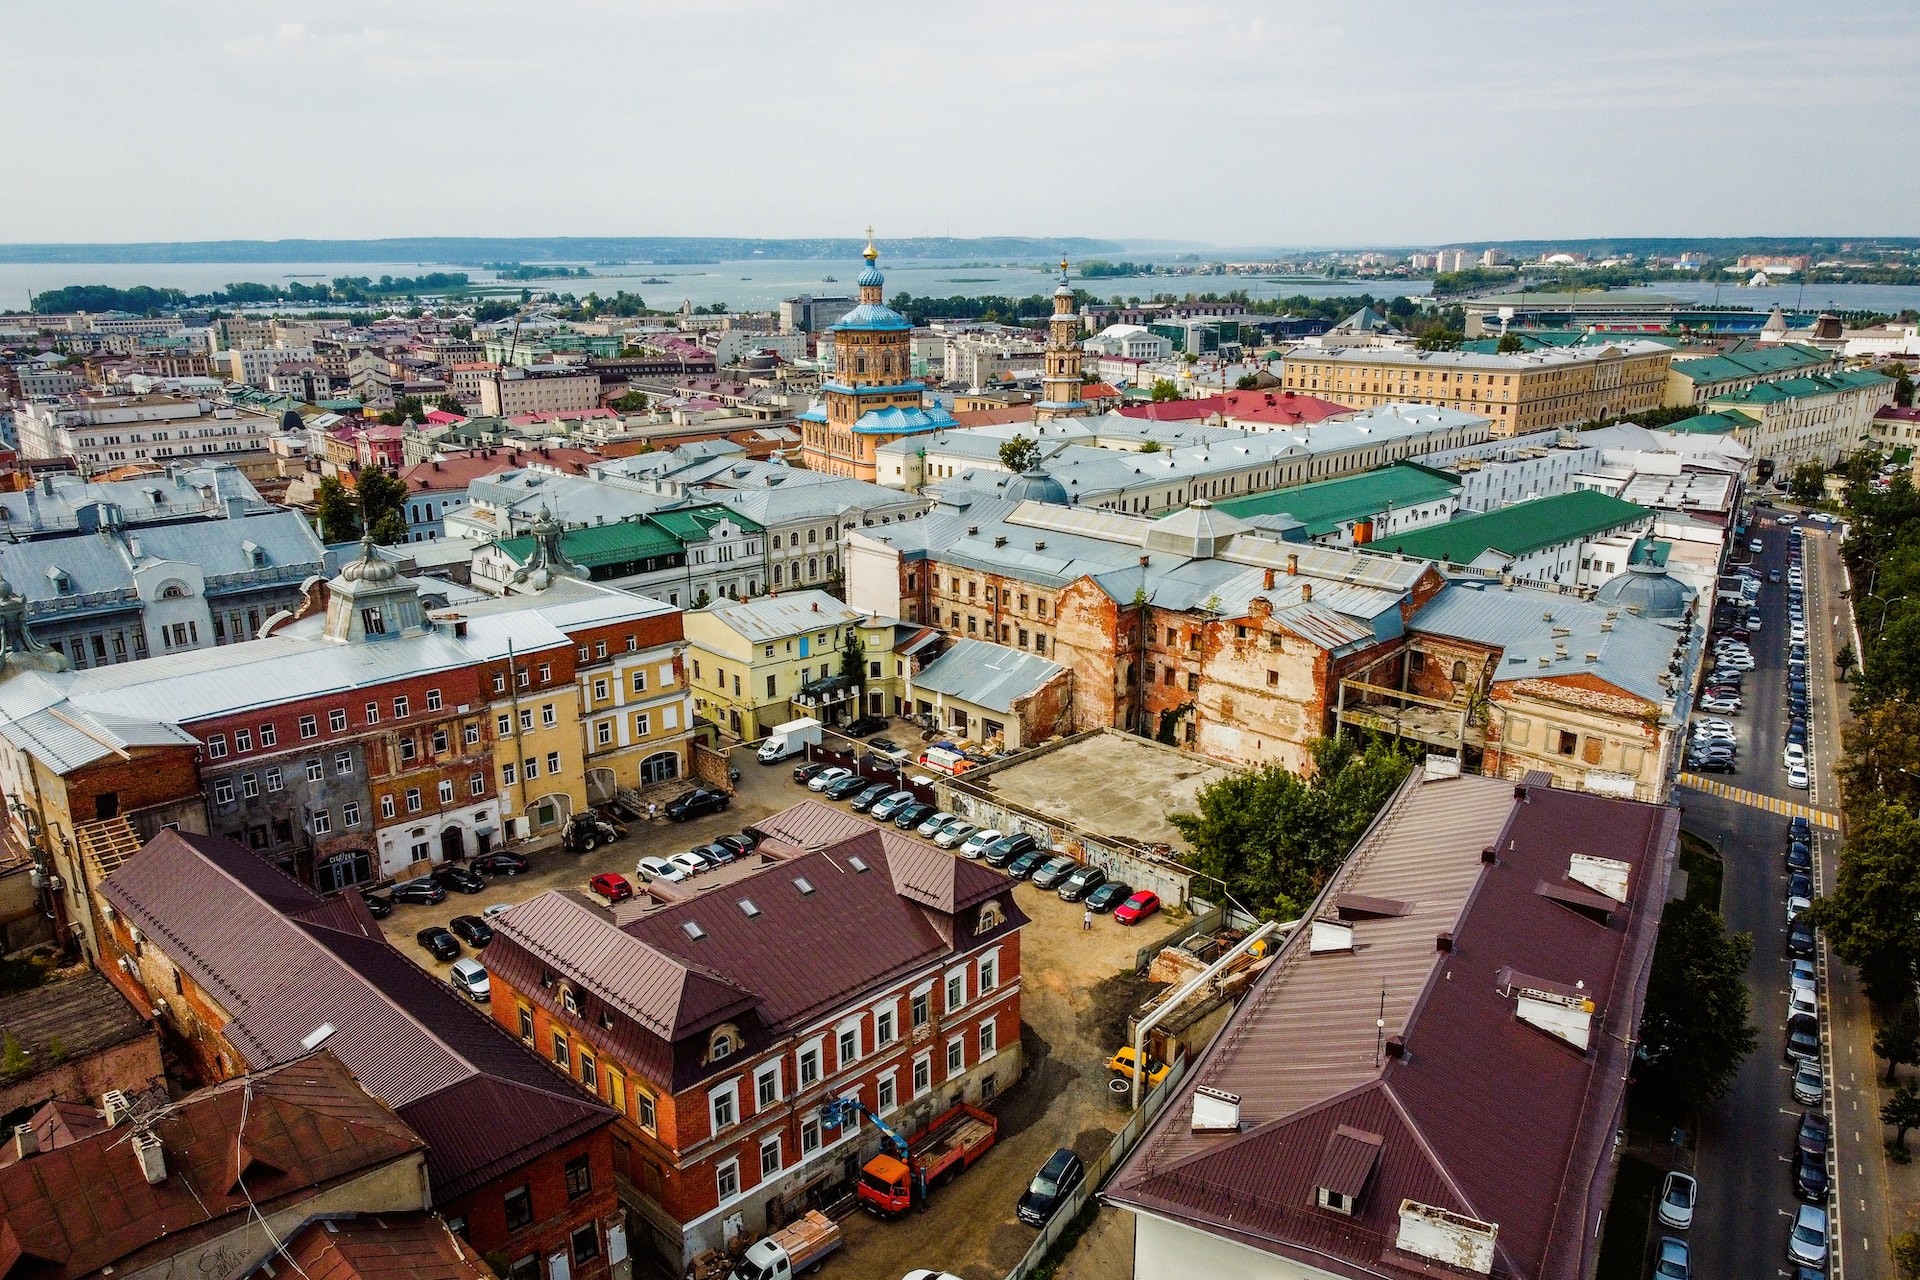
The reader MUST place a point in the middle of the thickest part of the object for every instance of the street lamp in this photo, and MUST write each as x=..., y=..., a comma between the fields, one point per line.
x=1886, y=603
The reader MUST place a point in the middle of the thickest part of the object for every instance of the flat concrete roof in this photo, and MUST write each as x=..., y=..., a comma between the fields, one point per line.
x=1110, y=783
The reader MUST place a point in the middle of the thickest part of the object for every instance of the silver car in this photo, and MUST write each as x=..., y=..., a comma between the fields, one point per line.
x=890, y=805
x=954, y=833
x=934, y=825
x=1676, y=1200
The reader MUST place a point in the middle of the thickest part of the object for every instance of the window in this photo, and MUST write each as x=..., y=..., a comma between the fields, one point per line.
x=249, y=785
x=386, y=806
x=883, y=1028
x=322, y=822
x=599, y=690
x=472, y=734
x=579, y=1171
x=988, y=1040
x=766, y=1086
x=726, y=1180
x=519, y=1206
x=223, y=791
x=408, y=750
x=507, y=773
x=884, y=1090
x=268, y=735
x=642, y=724
x=504, y=725
x=547, y=717
x=337, y=720
x=586, y=1245
x=350, y=814
x=446, y=791
x=433, y=699
x=477, y=784
x=343, y=762
x=849, y=1046
x=316, y=770
x=723, y=1104
x=561, y=1057
x=273, y=779
x=440, y=742
x=526, y=719
x=499, y=682
x=809, y=1066
x=373, y=713
x=643, y=1103
x=809, y=1137
x=217, y=746
x=956, y=1057
x=413, y=799
x=546, y=672
x=769, y=1157
x=530, y=768
x=553, y=762
x=956, y=989
x=922, y=1074
x=242, y=740
x=603, y=733
x=640, y=681
x=526, y=1024
x=921, y=1010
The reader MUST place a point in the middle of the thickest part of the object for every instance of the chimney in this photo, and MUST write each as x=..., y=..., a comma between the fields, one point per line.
x=1444, y=942
x=1267, y=581
x=1489, y=855
x=115, y=1106
x=1215, y=1110
x=816, y=606
x=1520, y=792
x=1396, y=1047
x=1293, y=565
x=26, y=1142
x=1306, y=593
x=460, y=628
x=152, y=1157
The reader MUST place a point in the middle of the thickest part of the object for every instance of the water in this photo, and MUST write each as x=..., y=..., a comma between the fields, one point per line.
x=752, y=284
x=1888, y=298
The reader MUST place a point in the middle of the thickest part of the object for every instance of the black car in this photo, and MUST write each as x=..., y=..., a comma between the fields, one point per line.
x=807, y=772
x=872, y=796
x=1800, y=939
x=739, y=846
x=885, y=746
x=1810, y=1180
x=439, y=943
x=1081, y=883
x=377, y=907
x=851, y=785
x=1028, y=863
x=464, y=879
x=1010, y=848
x=1803, y=1038
x=1799, y=857
x=1816, y=1131
x=1050, y=873
x=501, y=863
x=1713, y=764
x=865, y=725
x=716, y=853
x=694, y=803
x=1799, y=829
x=1800, y=885
x=912, y=815
x=874, y=760
x=1107, y=896
x=424, y=890
x=471, y=930
x=1058, y=1178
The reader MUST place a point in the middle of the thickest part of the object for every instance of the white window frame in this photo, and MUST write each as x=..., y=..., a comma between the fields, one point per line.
x=816, y=1049
x=730, y=1093
x=989, y=1041
x=848, y=1026
x=728, y=1168
x=886, y=1092
x=761, y=1075
x=922, y=1062
x=987, y=964
x=924, y=989
x=769, y=1145
x=952, y=976
x=956, y=1046
x=810, y=1136
x=890, y=1011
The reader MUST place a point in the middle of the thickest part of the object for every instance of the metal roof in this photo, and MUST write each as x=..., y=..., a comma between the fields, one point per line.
x=1518, y=528
x=987, y=675
x=1326, y=504
x=775, y=617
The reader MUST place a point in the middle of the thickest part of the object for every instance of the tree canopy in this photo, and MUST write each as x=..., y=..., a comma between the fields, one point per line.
x=1696, y=1028
x=1163, y=391
x=378, y=492
x=1273, y=838
x=1019, y=454
x=1872, y=918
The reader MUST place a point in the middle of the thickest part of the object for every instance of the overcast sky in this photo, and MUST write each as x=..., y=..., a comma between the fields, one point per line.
x=1236, y=124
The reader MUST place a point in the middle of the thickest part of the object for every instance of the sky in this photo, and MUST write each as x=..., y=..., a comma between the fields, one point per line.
x=1392, y=122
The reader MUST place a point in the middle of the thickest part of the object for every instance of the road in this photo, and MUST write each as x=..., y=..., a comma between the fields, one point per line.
x=1745, y=1169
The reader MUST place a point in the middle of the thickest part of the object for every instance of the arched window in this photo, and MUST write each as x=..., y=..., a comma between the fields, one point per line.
x=813, y=568
x=1459, y=673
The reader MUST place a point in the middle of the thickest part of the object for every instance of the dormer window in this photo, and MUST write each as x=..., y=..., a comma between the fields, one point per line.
x=1346, y=1166
x=62, y=584
x=373, y=621
x=722, y=1046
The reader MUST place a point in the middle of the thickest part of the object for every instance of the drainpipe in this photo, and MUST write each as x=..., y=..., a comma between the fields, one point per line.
x=513, y=695
x=1174, y=1001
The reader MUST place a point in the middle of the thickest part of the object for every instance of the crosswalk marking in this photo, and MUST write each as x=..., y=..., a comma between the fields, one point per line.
x=1772, y=804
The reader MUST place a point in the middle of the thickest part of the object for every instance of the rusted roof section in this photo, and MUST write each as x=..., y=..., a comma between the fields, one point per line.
x=416, y=1246
x=1479, y=1114
x=86, y=1014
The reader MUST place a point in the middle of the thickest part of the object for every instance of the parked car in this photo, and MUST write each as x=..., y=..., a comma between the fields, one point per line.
x=1026, y=864
x=651, y=869
x=1799, y=885
x=885, y=746
x=1809, y=1086
x=912, y=814
x=1799, y=857
x=845, y=788
x=1793, y=754
x=378, y=906
x=1773, y=575
x=826, y=778
x=1797, y=777
x=692, y=862
x=1105, y=897
x=1137, y=908
x=440, y=944
x=694, y=803
x=1813, y=1135
x=808, y=772
x=472, y=930
x=466, y=881
x=871, y=796
x=1009, y=847
x=955, y=832
x=493, y=909
x=933, y=824
x=890, y=804
x=1807, y=1242
x=716, y=854
x=978, y=843
x=1058, y=1178
x=1122, y=1065
x=1053, y=871
x=1712, y=764
x=865, y=726
x=501, y=863
x=1081, y=882
x=739, y=845
x=1673, y=1260
x=1803, y=1038
x=1810, y=1180
x=469, y=978
x=1676, y=1200
x=1723, y=705
x=1801, y=976
x=1756, y=546
x=612, y=886
x=425, y=890
x=1799, y=828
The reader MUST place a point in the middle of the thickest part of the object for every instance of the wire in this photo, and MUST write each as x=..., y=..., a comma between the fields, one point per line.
x=240, y=1177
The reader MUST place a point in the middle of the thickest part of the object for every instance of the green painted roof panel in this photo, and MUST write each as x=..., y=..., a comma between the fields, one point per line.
x=1518, y=529
x=1324, y=505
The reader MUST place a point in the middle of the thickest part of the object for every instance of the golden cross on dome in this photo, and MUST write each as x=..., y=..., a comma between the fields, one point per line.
x=871, y=253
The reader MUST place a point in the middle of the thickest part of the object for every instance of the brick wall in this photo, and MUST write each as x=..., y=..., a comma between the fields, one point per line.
x=557, y=1214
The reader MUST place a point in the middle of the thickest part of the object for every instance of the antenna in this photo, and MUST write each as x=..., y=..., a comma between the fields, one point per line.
x=1380, y=1027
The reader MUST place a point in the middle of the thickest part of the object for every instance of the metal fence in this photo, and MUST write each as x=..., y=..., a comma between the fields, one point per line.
x=1098, y=1172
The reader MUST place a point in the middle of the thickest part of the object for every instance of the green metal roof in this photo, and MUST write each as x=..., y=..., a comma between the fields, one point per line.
x=693, y=524
x=1326, y=504
x=1710, y=424
x=604, y=544
x=1751, y=363
x=1819, y=384
x=1518, y=529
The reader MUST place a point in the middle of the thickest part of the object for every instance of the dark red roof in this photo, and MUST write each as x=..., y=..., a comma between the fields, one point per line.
x=1897, y=413
x=458, y=470
x=406, y=1246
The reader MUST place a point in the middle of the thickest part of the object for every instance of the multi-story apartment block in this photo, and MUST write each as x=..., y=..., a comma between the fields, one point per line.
x=716, y=1026
x=545, y=389
x=104, y=431
x=255, y=366
x=1519, y=392
x=1705, y=378
x=762, y=662
x=1822, y=418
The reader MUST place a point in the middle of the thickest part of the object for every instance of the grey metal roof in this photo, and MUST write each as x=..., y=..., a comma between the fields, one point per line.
x=100, y=567
x=35, y=717
x=774, y=617
x=182, y=492
x=988, y=675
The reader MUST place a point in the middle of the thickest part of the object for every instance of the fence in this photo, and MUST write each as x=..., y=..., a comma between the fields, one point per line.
x=1097, y=1173
x=1208, y=920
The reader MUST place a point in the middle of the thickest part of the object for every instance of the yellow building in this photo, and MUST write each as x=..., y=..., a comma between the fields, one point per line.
x=1520, y=391
x=760, y=663
x=873, y=397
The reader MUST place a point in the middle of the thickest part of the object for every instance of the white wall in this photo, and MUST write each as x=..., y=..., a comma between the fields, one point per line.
x=1164, y=1250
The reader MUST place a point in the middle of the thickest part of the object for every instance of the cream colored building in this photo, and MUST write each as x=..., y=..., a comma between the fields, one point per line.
x=506, y=393
x=1519, y=392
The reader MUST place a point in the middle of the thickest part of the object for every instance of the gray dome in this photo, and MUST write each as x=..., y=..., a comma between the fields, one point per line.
x=1645, y=589
x=1037, y=486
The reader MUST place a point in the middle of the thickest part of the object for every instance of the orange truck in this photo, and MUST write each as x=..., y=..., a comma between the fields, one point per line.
x=900, y=1177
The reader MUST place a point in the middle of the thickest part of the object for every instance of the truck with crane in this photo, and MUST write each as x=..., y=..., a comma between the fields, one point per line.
x=908, y=1169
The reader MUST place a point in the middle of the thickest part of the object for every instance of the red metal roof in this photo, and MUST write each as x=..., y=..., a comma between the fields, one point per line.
x=458, y=470
x=416, y=1246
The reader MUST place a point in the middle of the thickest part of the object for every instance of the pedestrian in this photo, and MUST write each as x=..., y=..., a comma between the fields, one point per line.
x=650, y=810
x=1086, y=920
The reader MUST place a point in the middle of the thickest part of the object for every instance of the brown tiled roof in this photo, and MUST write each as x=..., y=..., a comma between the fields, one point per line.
x=1482, y=1115
x=282, y=962
x=407, y=1246
x=85, y=1013
x=308, y=1125
x=58, y=1124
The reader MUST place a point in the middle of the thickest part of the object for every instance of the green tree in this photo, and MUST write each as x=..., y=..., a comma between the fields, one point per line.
x=1881, y=762
x=631, y=402
x=1809, y=483
x=1164, y=391
x=383, y=498
x=1902, y=382
x=403, y=408
x=339, y=514
x=1872, y=918
x=1695, y=1029
x=853, y=658
x=1898, y=1039
x=1020, y=454
x=1844, y=660
x=13, y=1056
x=1905, y=1249
x=1902, y=1111
x=1510, y=343
x=1440, y=339
x=1150, y=446
x=1273, y=838
x=1247, y=382
x=702, y=600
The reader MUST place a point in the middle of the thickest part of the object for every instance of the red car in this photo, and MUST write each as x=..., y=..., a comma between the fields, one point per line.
x=612, y=886
x=1137, y=908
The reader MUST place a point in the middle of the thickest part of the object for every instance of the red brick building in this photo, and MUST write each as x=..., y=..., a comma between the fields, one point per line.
x=717, y=1026
x=248, y=968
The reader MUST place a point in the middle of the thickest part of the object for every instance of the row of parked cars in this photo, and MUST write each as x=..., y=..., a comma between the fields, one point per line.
x=1017, y=853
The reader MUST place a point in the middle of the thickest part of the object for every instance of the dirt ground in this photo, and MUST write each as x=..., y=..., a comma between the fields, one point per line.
x=1078, y=988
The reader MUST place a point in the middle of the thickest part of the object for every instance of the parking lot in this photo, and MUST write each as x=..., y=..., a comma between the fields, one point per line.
x=1078, y=988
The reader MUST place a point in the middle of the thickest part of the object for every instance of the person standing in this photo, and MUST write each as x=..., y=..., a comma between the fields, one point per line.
x=1086, y=920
